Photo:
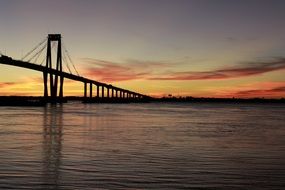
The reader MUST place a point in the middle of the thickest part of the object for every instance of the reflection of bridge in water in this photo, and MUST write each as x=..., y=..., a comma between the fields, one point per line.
x=52, y=145
x=53, y=78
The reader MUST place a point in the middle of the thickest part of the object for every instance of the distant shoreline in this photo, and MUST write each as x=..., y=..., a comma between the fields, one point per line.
x=40, y=101
x=220, y=100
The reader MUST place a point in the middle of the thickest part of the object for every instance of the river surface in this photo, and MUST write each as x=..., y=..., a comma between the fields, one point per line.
x=143, y=146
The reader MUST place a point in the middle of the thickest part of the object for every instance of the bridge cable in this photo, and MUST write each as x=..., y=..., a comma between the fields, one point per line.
x=63, y=60
x=63, y=57
x=37, y=54
x=69, y=58
x=40, y=53
x=54, y=50
x=44, y=59
x=33, y=49
x=42, y=62
x=66, y=62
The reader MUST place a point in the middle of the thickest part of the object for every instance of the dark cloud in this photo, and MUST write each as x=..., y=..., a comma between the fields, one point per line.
x=254, y=68
x=277, y=91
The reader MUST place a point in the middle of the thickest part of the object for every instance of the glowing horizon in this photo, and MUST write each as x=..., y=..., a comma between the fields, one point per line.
x=182, y=48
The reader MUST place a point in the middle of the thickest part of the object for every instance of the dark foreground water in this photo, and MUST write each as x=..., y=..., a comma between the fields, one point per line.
x=143, y=146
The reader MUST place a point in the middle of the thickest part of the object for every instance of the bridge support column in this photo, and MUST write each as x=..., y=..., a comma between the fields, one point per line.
x=61, y=87
x=102, y=91
x=90, y=90
x=53, y=77
x=108, y=92
x=45, y=76
x=98, y=90
x=85, y=90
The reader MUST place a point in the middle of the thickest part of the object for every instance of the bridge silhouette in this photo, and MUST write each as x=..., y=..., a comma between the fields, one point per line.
x=53, y=78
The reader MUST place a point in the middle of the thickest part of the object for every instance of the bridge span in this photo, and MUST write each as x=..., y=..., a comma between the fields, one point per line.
x=53, y=74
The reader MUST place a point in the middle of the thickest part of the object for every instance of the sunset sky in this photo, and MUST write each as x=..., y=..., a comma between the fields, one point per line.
x=209, y=48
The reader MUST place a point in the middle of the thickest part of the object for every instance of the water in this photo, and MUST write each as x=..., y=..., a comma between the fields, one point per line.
x=143, y=146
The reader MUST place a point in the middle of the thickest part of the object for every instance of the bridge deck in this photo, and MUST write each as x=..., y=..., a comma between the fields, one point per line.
x=18, y=63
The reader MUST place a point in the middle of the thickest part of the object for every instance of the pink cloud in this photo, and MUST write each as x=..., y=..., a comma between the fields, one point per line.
x=108, y=71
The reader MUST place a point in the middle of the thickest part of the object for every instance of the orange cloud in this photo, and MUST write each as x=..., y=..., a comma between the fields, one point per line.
x=6, y=84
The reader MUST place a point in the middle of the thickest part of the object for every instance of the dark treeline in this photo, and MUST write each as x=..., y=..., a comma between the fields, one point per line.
x=40, y=101
x=21, y=101
x=221, y=100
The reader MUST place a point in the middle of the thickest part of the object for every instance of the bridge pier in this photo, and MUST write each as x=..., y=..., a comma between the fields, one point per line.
x=85, y=90
x=53, y=77
x=61, y=87
x=45, y=76
x=90, y=90
x=103, y=92
x=108, y=92
x=97, y=91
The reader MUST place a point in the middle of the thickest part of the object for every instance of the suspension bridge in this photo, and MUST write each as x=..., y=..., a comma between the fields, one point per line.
x=53, y=76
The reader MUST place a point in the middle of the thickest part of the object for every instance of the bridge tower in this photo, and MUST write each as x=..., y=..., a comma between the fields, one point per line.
x=53, y=78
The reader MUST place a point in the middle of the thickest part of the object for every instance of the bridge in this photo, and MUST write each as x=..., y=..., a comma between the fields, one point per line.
x=53, y=78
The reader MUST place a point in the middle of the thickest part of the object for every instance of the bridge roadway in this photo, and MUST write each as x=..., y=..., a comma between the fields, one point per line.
x=18, y=63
